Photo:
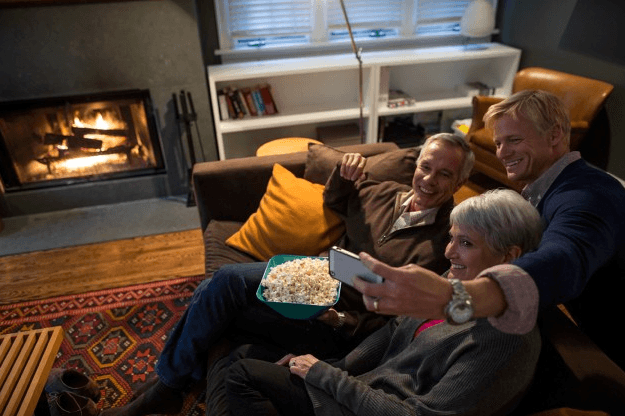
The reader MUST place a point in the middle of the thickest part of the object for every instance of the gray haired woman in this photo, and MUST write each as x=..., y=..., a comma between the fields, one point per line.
x=414, y=366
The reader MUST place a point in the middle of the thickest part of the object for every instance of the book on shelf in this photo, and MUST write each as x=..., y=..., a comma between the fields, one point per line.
x=258, y=100
x=270, y=105
x=243, y=102
x=223, y=105
x=398, y=98
x=251, y=106
x=236, y=105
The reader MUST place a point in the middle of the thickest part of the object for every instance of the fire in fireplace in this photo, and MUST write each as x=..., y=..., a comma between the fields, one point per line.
x=66, y=140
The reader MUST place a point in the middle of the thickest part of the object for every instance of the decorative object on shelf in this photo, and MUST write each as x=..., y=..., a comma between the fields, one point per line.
x=357, y=52
x=478, y=20
x=398, y=98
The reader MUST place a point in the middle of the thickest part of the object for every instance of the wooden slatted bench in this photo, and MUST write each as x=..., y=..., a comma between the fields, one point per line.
x=26, y=359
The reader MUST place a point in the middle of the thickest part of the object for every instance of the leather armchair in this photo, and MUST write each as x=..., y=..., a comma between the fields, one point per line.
x=584, y=98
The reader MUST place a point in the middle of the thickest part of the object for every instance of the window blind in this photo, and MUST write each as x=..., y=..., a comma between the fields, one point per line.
x=439, y=15
x=267, y=18
x=369, y=14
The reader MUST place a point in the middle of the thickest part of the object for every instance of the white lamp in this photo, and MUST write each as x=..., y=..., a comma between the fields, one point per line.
x=478, y=20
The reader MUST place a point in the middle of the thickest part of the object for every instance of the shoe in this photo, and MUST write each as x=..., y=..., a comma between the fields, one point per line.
x=70, y=404
x=72, y=381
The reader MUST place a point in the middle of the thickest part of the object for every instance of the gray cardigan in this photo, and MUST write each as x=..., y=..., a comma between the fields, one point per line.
x=466, y=369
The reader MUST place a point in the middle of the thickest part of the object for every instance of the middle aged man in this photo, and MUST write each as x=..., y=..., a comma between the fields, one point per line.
x=581, y=251
x=394, y=222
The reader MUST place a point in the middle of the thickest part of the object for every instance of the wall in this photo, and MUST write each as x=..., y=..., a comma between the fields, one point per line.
x=583, y=37
x=84, y=48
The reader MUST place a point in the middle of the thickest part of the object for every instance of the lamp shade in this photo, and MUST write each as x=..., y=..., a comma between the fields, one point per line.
x=478, y=19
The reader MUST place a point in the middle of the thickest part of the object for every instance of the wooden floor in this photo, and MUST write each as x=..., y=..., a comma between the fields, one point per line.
x=72, y=270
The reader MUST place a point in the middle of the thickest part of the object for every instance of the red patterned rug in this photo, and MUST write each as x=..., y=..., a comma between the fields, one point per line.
x=113, y=336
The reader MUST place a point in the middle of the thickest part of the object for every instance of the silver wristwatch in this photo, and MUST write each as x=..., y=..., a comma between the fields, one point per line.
x=459, y=310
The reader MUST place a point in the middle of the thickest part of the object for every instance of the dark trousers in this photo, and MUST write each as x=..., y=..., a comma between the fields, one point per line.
x=248, y=382
x=256, y=387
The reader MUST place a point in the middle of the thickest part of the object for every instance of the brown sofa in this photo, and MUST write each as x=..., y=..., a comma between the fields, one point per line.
x=227, y=192
x=573, y=372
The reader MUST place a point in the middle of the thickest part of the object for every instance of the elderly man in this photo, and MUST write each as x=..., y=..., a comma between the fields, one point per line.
x=396, y=223
x=578, y=259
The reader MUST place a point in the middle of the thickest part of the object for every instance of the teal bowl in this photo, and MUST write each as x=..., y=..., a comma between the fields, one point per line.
x=292, y=310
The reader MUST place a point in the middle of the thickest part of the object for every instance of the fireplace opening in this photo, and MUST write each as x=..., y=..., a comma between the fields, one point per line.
x=65, y=140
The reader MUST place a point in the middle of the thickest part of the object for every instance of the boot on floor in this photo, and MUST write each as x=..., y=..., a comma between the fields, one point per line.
x=158, y=399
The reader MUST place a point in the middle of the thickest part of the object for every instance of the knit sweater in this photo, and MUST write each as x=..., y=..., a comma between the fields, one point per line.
x=466, y=369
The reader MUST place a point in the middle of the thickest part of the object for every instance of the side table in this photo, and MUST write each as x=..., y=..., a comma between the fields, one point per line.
x=26, y=359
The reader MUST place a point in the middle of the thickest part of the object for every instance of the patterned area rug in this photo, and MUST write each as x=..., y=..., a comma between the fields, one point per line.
x=113, y=336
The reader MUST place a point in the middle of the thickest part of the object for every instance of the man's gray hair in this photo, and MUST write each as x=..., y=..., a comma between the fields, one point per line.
x=456, y=141
x=503, y=217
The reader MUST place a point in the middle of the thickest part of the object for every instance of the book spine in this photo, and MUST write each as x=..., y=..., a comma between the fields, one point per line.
x=238, y=113
x=251, y=105
x=223, y=105
x=231, y=111
x=243, y=102
x=270, y=105
x=258, y=100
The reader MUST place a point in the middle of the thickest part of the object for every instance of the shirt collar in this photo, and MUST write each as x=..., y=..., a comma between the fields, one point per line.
x=534, y=191
x=423, y=217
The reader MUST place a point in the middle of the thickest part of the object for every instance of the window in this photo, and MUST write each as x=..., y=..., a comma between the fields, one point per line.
x=248, y=25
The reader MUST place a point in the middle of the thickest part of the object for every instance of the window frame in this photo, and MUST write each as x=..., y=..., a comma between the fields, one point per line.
x=320, y=44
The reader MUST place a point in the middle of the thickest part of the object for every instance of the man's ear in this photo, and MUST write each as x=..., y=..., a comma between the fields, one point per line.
x=555, y=135
x=459, y=185
x=513, y=253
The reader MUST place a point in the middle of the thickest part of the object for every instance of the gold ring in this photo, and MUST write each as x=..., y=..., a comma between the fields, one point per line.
x=376, y=305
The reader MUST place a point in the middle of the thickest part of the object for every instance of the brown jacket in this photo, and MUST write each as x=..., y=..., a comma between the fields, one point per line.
x=369, y=209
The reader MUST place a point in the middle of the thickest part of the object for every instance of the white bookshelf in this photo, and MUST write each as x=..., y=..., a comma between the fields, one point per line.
x=323, y=90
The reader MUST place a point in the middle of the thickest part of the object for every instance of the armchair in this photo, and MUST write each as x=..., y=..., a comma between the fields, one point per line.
x=585, y=99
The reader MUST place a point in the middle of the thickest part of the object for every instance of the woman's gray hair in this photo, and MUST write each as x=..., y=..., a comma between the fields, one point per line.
x=503, y=217
x=456, y=141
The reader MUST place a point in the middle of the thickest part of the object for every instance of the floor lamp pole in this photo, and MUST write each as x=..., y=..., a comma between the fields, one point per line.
x=357, y=52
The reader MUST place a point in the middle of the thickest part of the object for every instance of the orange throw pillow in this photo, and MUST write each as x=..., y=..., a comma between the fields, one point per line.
x=291, y=219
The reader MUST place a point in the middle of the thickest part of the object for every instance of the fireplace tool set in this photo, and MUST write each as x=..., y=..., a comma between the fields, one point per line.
x=187, y=117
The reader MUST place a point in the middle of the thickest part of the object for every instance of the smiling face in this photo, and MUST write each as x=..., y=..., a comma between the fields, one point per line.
x=469, y=254
x=523, y=151
x=437, y=175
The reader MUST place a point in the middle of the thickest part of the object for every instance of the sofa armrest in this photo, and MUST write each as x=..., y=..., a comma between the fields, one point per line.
x=600, y=382
x=231, y=190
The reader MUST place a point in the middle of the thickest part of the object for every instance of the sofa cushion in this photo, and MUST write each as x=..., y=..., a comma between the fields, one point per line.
x=397, y=165
x=216, y=252
x=291, y=219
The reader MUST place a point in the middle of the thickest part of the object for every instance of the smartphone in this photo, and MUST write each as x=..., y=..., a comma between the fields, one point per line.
x=344, y=265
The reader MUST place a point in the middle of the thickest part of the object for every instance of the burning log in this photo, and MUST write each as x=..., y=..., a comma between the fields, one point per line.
x=82, y=131
x=50, y=138
x=74, y=142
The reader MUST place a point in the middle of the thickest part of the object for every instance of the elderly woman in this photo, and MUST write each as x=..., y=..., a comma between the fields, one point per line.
x=414, y=366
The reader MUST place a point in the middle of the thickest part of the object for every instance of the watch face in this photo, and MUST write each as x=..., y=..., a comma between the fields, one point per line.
x=461, y=312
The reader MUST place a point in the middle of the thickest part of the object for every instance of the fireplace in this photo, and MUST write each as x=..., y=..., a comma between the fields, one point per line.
x=77, y=139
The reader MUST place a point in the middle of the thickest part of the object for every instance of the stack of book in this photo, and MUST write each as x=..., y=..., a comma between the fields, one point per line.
x=398, y=98
x=237, y=103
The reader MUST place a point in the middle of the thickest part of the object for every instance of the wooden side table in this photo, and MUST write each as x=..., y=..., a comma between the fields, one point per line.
x=26, y=359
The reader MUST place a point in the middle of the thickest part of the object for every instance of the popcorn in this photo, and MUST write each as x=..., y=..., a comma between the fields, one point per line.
x=304, y=280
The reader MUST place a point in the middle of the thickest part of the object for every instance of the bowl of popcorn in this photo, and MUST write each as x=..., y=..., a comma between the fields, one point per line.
x=298, y=287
